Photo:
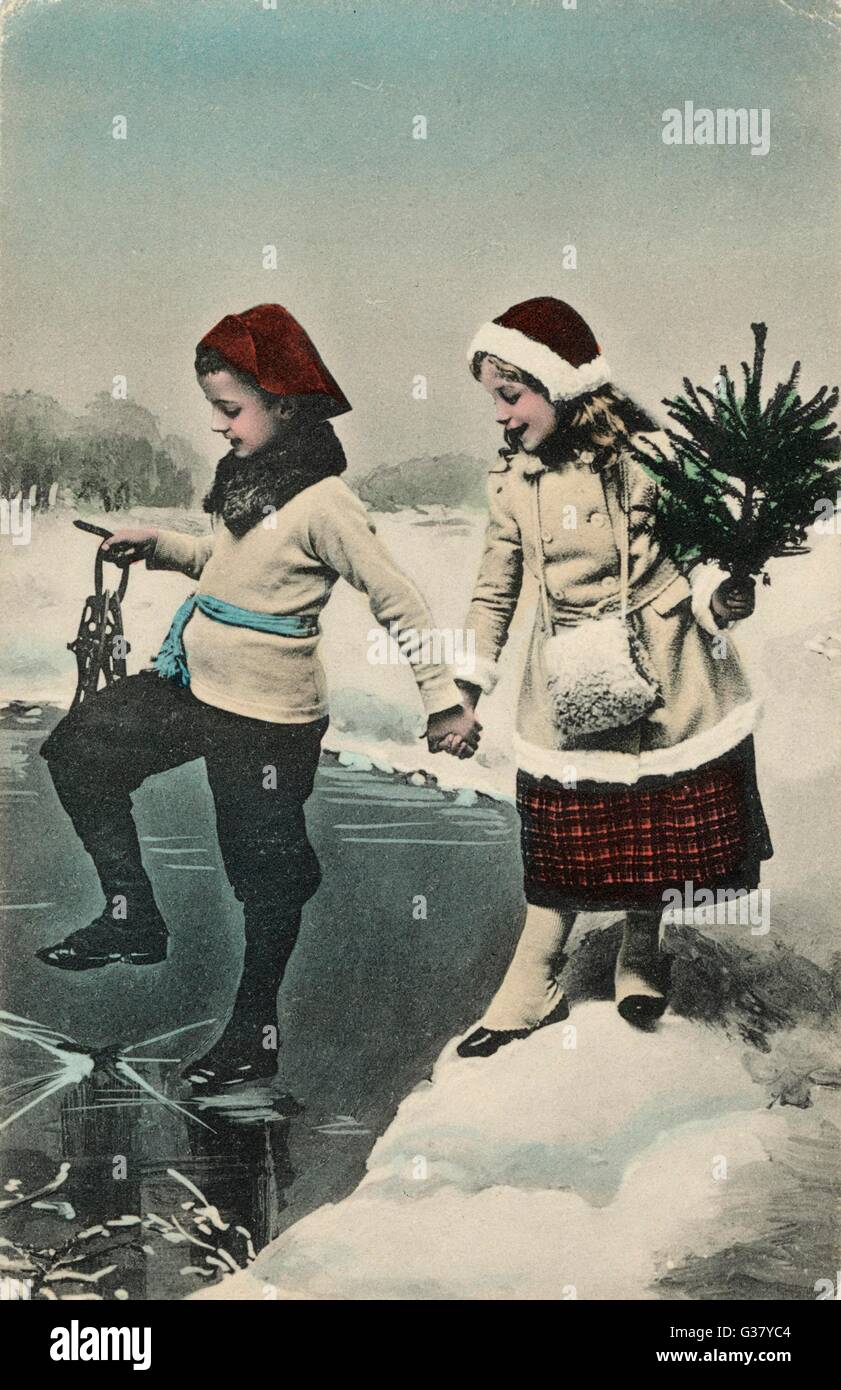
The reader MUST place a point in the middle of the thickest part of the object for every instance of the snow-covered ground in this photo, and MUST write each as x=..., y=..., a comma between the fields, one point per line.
x=589, y=1161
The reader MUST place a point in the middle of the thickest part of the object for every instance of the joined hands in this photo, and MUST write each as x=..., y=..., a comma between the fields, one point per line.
x=456, y=730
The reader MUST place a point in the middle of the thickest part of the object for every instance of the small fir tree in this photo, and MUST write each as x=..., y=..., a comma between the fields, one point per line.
x=745, y=480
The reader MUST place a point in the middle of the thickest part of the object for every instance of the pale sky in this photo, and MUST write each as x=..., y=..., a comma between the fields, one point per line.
x=293, y=127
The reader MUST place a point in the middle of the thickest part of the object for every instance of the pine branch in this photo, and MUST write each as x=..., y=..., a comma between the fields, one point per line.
x=771, y=461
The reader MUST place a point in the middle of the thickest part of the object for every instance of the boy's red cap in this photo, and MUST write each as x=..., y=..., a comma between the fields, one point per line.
x=270, y=344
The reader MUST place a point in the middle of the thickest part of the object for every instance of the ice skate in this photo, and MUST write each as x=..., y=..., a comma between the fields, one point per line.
x=106, y=942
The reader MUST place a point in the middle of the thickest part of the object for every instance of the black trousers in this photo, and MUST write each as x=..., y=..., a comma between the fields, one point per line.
x=260, y=775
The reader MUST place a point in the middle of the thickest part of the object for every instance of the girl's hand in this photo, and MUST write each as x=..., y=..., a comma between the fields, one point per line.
x=127, y=547
x=733, y=600
x=454, y=730
x=458, y=747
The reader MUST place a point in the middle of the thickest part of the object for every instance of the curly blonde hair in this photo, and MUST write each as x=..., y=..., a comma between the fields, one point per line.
x=598, y=420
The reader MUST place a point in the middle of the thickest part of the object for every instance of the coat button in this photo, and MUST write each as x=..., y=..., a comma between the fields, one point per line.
x=597, y=518
x=609, y=581
x=546, y=538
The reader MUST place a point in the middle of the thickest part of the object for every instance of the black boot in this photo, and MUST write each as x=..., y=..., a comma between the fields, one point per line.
x=240, y=1054
x=103, y=820
x=484, y=1042
x=227, y=1065
x=106, y=942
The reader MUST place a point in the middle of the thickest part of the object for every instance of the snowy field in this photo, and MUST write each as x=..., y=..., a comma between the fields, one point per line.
x=791, y=647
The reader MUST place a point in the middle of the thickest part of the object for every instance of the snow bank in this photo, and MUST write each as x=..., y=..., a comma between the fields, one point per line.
x=587, y=1161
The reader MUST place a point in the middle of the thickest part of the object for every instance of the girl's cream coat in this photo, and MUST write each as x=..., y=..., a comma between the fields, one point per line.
x=573, y=514
x=290, y=567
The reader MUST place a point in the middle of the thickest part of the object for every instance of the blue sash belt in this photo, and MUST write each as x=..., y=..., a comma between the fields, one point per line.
x=171, y=660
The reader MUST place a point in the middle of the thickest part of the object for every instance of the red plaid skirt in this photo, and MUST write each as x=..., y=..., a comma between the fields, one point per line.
x=600, y=846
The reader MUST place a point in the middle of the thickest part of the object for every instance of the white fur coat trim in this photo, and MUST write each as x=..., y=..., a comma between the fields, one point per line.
x=563, y=381
x=596, y=765
x=704, y=580
x=480, y=671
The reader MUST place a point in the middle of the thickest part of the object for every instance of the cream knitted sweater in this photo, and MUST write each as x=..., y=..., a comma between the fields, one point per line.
x=288, y=564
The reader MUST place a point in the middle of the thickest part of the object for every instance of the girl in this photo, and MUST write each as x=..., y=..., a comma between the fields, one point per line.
x=611, y=818
x=238, y=680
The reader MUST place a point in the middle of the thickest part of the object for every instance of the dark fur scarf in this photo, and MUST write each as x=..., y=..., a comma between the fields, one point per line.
x=245, y=490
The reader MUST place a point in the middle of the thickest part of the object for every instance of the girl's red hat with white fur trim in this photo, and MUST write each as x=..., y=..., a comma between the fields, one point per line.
x=550, y=341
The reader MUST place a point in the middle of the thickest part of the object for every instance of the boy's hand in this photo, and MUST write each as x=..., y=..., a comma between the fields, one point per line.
x=455, y=731
x=127, y=547
x=733, y=600
x=453, y=743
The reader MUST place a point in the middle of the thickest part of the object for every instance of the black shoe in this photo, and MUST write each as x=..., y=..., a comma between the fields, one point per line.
x=106, y=942
x=643, y=1010
x=484, y=1042
x=227, y=1065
